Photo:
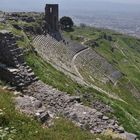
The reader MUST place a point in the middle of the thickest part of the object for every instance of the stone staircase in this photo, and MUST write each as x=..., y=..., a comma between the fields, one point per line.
x=13, y=67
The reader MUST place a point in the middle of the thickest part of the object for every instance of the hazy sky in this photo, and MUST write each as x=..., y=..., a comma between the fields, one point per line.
x=124, y=1
x=38, y=5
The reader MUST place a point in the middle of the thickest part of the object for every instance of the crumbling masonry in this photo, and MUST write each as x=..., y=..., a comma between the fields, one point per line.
x=13, y=68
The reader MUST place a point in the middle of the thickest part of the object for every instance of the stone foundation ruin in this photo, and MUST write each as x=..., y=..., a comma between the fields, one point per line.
x=13, y=68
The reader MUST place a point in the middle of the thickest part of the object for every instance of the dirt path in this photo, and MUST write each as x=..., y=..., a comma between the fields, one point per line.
x=122, y=52
x=73, y=62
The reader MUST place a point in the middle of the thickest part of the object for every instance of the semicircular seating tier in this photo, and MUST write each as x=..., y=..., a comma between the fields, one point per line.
x=89, y=62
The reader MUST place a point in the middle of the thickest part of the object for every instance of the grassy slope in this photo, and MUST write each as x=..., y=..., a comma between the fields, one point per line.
x=16, y=126
x=51, y=76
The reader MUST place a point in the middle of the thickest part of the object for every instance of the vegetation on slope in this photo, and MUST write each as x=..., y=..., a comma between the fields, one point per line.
x=120, y=50
x=127, y=112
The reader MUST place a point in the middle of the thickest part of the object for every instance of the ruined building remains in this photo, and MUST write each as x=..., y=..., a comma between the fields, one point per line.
x=52, y=17
x=13, y=68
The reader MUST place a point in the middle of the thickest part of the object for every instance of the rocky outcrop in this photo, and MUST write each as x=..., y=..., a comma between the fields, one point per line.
x=20, y=16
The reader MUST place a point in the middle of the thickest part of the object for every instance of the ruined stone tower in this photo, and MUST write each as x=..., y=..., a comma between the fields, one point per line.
x=52, y=17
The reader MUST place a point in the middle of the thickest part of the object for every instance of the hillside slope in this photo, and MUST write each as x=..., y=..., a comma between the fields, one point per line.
x=104, y=43
x=119, y=51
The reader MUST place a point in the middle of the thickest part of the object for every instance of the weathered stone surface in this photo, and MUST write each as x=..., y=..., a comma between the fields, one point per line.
x=129, y=136
x=121, y=129
x=13, y=68
x=105, y=118
x=33, y=107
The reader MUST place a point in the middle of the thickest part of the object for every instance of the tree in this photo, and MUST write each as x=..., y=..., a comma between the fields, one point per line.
x=66, y=23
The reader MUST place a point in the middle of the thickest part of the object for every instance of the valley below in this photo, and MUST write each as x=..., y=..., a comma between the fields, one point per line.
x=123, y=22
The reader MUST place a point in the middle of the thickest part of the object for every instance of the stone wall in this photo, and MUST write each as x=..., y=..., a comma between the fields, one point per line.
x=5, y=74
x=7, y=47
x=13, y=68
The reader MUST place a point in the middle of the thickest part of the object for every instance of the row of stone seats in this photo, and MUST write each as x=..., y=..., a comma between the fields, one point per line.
x=97, y=66
x=53, y=51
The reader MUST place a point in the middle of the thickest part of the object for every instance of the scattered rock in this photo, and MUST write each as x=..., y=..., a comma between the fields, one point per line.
x=75, y=98
x=129, y=136
x=43, y=117
x=121, y=129
x=102, y=107
x=105, y=118
x=17, y=93
x=33, y=107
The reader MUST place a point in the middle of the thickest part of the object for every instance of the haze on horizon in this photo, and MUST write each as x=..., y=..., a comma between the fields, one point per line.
x=87, y=5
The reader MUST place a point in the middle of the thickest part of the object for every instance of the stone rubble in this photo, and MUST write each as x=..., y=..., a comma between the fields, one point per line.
x=97, y=104
x=60, y=103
